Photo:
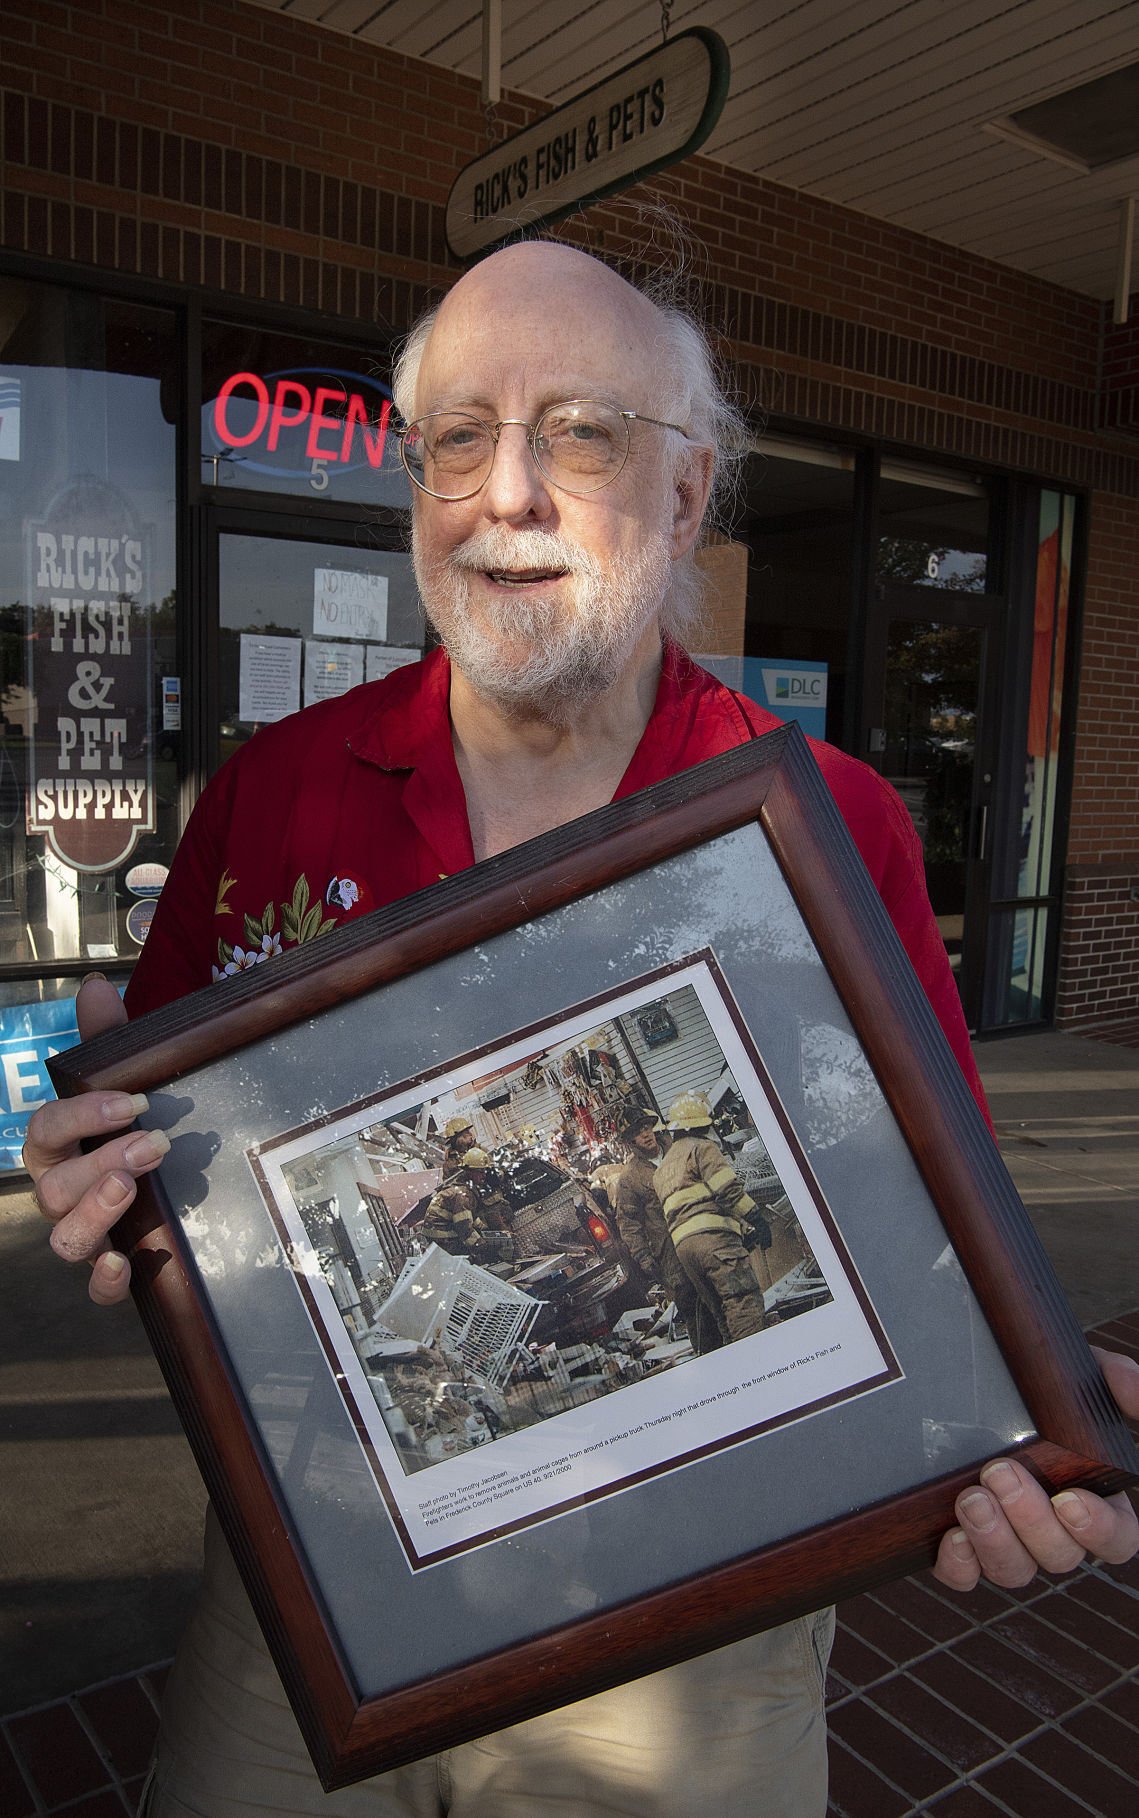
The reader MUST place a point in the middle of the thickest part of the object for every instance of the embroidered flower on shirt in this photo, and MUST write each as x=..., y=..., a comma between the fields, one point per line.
x=301, y=921
x=240, y=960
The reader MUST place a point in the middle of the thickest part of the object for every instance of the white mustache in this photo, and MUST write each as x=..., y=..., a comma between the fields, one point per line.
x=500, y=548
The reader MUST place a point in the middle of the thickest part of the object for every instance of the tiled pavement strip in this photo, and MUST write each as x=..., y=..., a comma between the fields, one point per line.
x=1015, y=1702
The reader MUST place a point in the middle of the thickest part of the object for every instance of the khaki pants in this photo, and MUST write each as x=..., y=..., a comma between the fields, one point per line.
x=738, y=1734
x=719, y=1269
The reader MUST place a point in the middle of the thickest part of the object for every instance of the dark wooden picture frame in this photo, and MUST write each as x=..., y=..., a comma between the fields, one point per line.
x=1078, y=1436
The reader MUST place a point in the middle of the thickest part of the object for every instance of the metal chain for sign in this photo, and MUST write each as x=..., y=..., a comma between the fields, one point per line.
x=666, y=7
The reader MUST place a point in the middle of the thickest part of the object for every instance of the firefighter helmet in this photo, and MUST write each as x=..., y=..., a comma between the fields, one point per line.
x=456, y=1125
x=691, y=1111
x=476, y=1158
x=635, y=1119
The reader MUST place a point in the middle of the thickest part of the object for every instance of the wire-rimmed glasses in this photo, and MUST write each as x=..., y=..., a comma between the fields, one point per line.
x=579, y=446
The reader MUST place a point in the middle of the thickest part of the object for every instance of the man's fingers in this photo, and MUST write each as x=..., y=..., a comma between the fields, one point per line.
x=98, y=1007
x=84, y=1197
x=1107, y=1527
x=78, y=1179
x=57, y=1129
x=957, y=1564
x=81, y=1233
x=1013, y=1527
x=110, y=1279
x=1122, y=1376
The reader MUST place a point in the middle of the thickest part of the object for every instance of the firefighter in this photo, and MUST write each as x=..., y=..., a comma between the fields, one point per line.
x=468, y=1216
x=707, y=1212
x=458, y=1137
x=641, y=1223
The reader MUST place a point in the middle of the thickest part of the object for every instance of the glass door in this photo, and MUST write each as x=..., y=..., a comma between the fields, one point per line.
x=935, y=637
x=933, y=694
x=300, y=617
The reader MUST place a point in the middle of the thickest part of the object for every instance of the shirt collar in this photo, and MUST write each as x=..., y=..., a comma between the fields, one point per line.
x=694, y=717
x=412, y=720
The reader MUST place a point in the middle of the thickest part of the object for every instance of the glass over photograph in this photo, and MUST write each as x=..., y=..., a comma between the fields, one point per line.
x=601, y=1207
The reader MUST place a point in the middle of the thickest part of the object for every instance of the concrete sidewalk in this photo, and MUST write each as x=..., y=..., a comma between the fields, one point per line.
x=1067, y=1116
x=965, y=1707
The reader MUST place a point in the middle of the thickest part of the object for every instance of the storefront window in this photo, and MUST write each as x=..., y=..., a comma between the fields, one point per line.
x=286, y=413
x=1049, y=643
x=1024, y=876
x=798, y=524
x=933, y=530
x=90, y=698
x=301, y=621
x=90, y=694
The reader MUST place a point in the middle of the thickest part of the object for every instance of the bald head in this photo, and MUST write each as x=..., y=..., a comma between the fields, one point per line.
x=556, y=309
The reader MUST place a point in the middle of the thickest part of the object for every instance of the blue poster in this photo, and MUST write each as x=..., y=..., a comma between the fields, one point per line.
x=794, y=690
x=28, y=1034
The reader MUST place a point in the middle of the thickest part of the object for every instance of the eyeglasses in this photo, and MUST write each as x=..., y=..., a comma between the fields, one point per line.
x=579, y=446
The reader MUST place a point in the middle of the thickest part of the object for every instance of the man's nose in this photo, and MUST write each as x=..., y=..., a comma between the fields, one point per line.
x=517, y=486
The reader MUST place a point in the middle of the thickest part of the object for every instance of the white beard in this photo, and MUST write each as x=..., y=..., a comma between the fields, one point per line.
x=529, y=655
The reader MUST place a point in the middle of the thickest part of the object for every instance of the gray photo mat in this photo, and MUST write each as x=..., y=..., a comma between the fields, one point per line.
x=956, y=1406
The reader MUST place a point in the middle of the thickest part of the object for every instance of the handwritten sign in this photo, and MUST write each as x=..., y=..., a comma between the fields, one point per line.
x=650, y=114
x=347, y=604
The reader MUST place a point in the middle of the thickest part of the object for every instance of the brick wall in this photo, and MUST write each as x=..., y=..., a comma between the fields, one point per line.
x=1099, y=982
x=212, y=143
x=1121, y=373
x=1099, y=969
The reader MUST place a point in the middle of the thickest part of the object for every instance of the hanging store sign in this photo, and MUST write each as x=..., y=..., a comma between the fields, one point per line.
x=650, y=114
x=91, y=788
x=297, y=424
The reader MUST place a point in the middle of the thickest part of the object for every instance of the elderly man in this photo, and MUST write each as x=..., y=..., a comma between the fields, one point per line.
x=562, y=438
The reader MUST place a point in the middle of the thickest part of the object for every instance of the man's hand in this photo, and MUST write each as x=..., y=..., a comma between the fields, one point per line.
x=82, y=1195
x=1011, y=1528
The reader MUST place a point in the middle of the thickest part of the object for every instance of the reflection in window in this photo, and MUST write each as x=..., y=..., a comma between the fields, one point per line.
x=933, y=675
x=303, y=621
x=88, y=756
x=933, y=530
x=798, y=524
x=1022, y=936
x=1024, y=862
x=1049, y=640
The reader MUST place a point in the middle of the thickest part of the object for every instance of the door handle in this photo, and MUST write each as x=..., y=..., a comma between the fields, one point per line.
x=984, y=830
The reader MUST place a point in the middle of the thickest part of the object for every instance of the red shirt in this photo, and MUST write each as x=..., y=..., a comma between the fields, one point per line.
x=357, y=802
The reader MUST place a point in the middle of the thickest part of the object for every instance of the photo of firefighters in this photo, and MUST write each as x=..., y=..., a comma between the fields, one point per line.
x=598, y=1211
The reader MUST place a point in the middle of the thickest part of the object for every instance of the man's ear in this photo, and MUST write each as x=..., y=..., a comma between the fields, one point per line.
x=690, y=500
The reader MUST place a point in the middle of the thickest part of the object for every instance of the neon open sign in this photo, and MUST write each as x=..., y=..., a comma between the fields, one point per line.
x=298, y=423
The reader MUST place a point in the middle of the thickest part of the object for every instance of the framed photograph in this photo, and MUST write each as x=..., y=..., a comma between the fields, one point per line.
x=477, y=1448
